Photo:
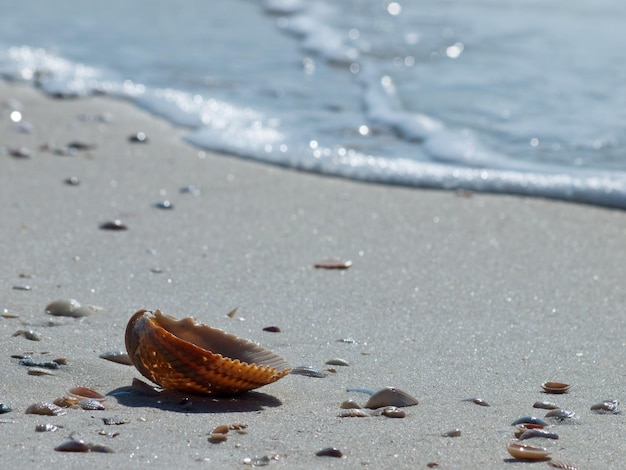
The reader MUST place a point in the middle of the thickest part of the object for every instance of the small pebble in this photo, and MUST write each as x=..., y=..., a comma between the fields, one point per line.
x=21, y=152
x=453, y=433
x=29, y=334
x=5, y=409
x=272, y=329
x=72, y=181
x=333, y=263
x=115, y=421
x=48, y=427
x=191, y=190
x=22, y=287
x=164, y=205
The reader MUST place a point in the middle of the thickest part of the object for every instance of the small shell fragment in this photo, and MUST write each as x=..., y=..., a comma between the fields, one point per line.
x=337, y=362
x=115, y=225
x=73, y=445
x=561, y=415
x=353, y=413
x=91, y=405
x=333, y=263
x=546, y=405
x=84, y=393
x=39, y=372
x=48, y=427
x=562, y=465
x=272, y=329
x=120, y=357
x=308, y=371
x=28, y=361
x=527, y=452
x=607, y=407
x=68, y=308
x=390, y=396
x=478, y=401
x=349, y=405
x=555, y=387
x=452, y=433
x=531, y=433
x=529, y=420
x=5, y=409
x=138, y=138
x=44, y=408
x=115, y=421
x=28, y=334
x=329, y=452
x=393, y=412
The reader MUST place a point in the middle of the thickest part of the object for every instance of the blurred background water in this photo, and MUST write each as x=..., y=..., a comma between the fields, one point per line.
x=515, y=96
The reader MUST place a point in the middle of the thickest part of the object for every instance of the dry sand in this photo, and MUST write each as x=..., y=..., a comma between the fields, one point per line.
x=449, y=297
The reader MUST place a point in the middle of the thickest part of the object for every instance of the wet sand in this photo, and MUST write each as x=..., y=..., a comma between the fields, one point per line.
x=450, y=296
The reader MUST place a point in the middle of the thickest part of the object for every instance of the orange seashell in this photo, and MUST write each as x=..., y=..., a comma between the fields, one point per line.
x=190, y=357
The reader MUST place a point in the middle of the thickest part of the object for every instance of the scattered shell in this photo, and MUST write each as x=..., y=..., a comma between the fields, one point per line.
x=219, y=434
x=22, y=287
x=607, y=407
x=48, y=427
x=390, y=396
x=272, y=329
x=28, y=334
x=546, y=405
x=529, y=420
x=5, y=409
x=333, y=263
x=73, y=445
x=560, y=415
x=432, y=465
x=337, y=362
x=232, y=313
x=66, y=402
x=121, y=357
x=353, y=413
x=164, y=205
x=188, y=356
x=349, y=405
x=308, y=371
x=329, y=452
x=452, y=433
x=84, y=393
x=62, y=361
x=116, y=224
x=44, y=408
x=221, y=429
x=91, y=405
x=7, y=314
x=115, y=421
x=531, y=433
x=28, y=361
x=39, y=372
x=68, y=308
x=393, y=412
x=238, y=427
x=522, y=428
x=555, y=387
x=527, y=452
x=562, y=465
x=478, y=401
x=347, y=340
x=138, y=138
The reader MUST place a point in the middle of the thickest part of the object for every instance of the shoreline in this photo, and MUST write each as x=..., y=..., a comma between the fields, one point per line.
x=449, y=297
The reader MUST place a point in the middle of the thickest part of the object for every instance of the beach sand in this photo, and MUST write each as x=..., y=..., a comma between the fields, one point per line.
x=450, y=296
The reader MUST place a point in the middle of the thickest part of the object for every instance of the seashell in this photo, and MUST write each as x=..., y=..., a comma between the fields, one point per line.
x=91, y=405
x=349, y=405
x=219, y=434
x=29, y=334
x=84, y=393
x=121, y=357
x=115, y=421
x=337, y=362
x=308, y=371
x=392, y=412
x=5, y=409
x=73, y=445
x=66, y=402
x=453, y=433
x=555, y=387
x=477, y=401
x=529, y=420
x=333, y=263
x=390, y=396
x=115, y=225
x=44, y=408
x=562, y=465
x=546, y=405
x=272, y=329
x=527, y=452
x=28, y=361
x=522, y=428
x=607, y=407
x=353, y=413
x=560, y=415
x=39, y=372
x=530, y=433
x=190, y=357
x=68, y=308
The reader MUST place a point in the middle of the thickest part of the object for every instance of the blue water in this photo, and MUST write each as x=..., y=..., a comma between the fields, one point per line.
x=513, y=96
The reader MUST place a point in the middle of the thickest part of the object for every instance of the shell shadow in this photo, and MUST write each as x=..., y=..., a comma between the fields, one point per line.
x=169, y=400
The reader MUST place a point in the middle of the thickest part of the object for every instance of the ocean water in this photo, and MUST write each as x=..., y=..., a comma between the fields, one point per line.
x=512, y=96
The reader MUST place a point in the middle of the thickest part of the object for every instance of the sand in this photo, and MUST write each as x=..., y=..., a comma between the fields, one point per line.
x=450, y=296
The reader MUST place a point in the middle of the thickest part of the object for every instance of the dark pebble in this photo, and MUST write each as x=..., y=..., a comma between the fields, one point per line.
x=5, y=408
x=272, y=329
x=164, y=205
x=329, y=452
x=113, y=225
x=138, y=138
